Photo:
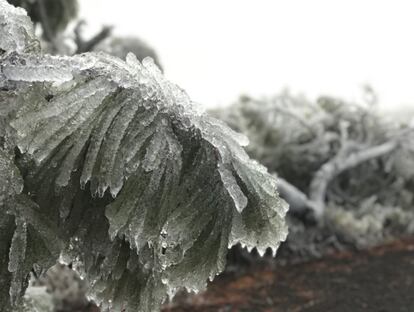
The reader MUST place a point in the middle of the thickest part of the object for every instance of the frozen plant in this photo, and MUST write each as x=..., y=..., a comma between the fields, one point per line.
x=107, y=165
x=346, y=169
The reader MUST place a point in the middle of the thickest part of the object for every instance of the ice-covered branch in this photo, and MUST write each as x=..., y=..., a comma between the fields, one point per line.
x=299, y=202
x=341, y=162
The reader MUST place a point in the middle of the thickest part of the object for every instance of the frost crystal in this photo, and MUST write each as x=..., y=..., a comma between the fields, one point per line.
x=16, y=30
x=146, y=192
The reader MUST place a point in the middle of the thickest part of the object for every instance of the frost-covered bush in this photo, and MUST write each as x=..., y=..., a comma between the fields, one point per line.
x=106, y=164
x=295, y=137
x=346, y=163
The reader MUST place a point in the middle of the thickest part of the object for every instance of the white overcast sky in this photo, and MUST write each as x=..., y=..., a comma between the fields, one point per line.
x=218, y=49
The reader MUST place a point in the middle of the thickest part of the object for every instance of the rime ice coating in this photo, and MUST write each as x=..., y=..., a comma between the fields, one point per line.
x=147, y=191
x=16, y=30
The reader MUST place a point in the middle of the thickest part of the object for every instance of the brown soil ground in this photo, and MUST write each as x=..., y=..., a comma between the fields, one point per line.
x=380, y=279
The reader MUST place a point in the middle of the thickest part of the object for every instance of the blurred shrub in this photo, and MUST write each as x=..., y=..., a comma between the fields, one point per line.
x=294, y=137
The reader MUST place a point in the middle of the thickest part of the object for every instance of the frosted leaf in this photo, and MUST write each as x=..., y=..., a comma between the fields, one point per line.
x=17, y=257
x=34, y=242
x=167, y=188
x=120, y=129
x=26, y=237
x=16, y=30
x=7, y=227
x=233, y=188
x=11, y=182
x=57, y=69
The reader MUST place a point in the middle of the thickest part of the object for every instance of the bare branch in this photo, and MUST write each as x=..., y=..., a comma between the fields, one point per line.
x=339, y=164
x=299, y=203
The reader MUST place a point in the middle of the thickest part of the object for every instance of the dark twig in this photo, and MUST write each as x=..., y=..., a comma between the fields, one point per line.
x=47, y=31
x=88, y=45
